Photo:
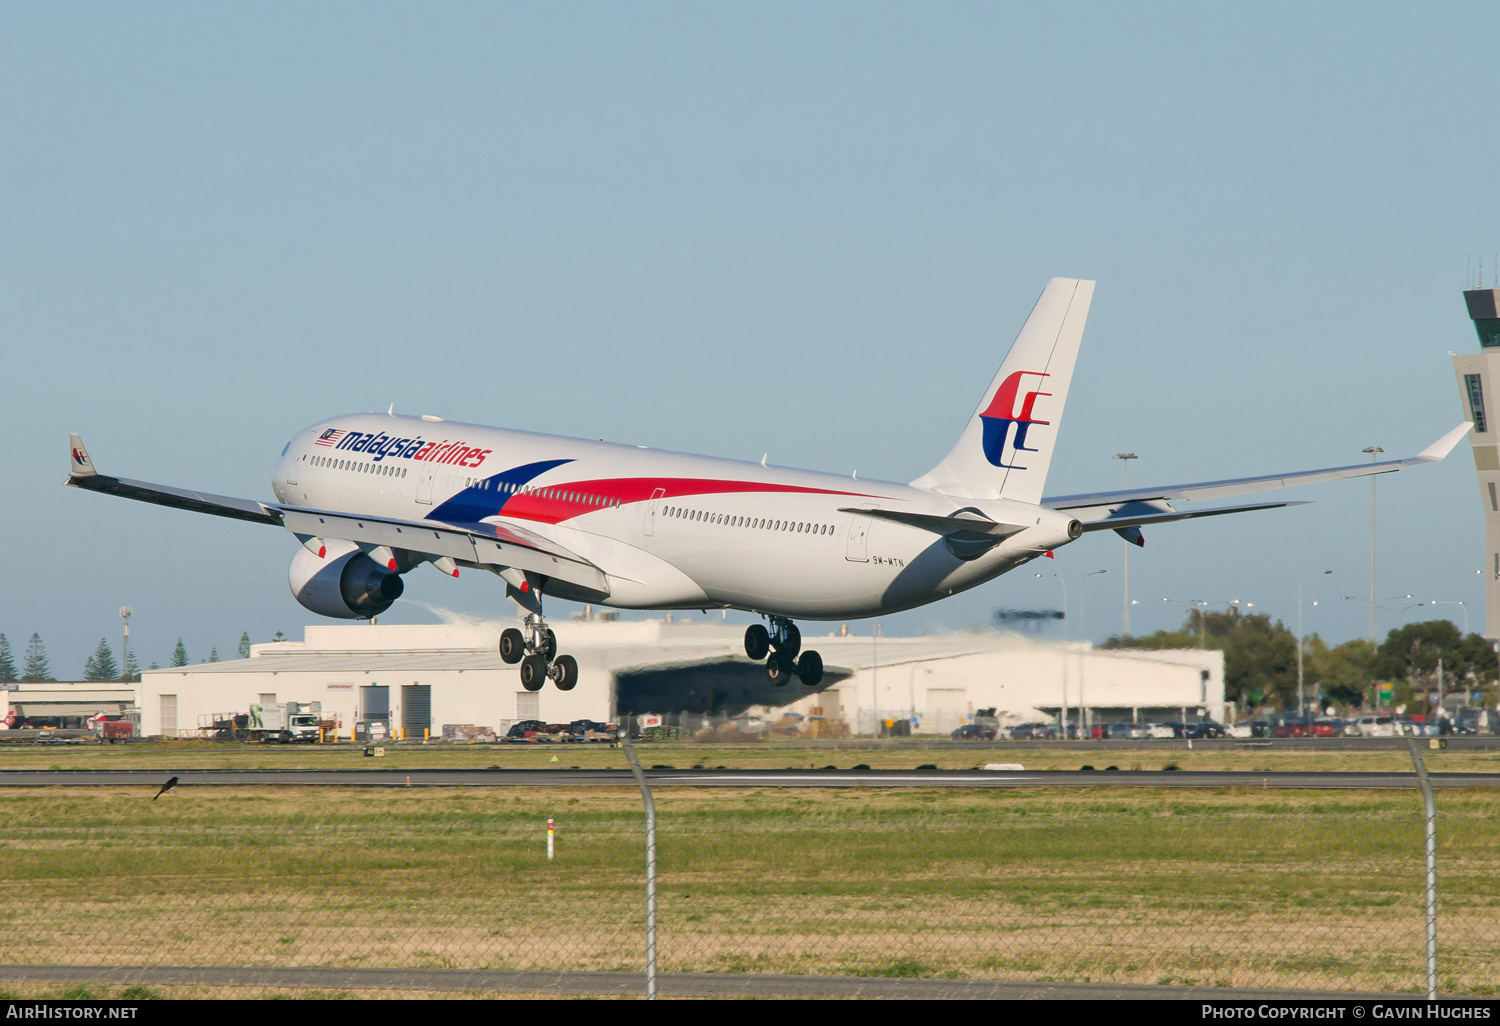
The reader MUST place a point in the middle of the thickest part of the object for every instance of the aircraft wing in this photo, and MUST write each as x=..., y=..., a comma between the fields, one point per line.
x=490, y=545
x=1239, y=486
x=81, y=474
x=1143, y=515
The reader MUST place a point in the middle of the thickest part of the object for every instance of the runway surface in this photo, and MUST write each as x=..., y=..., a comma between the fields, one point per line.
x=735, y=778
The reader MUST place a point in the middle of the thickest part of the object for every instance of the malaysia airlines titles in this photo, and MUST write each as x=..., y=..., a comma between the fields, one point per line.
x=380, y=446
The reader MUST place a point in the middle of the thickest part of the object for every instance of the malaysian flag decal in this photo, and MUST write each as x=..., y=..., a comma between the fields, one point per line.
x=330, y=437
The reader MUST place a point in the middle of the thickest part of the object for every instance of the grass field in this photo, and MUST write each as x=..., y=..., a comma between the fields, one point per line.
x=1231, y=888
x=180, y=755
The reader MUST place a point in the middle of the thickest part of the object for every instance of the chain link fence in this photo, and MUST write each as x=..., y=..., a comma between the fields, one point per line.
x=1312, y=890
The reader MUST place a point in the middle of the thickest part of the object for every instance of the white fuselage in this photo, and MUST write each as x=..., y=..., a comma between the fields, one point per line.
x=669, y=530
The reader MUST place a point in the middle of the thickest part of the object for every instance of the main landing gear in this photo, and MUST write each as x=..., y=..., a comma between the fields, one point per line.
x=784, y=637
x=536, y=651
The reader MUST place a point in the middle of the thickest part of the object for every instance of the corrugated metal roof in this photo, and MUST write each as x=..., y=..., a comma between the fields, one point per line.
x=344, y=662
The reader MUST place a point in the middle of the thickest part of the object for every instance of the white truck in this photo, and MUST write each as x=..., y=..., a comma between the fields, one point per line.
x=286, y=722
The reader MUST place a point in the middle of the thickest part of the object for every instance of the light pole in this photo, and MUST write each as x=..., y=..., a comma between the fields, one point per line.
x=1125, y=458
x=1374, y=451
x=125, y=614
x=1301, y=696
x=1379, y=605
x=1063, y=709
x=1201, y=606
x=1083, y=709
x=1435, y=602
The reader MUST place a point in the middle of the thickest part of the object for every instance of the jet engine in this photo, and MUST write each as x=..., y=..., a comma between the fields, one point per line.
x=343, y=582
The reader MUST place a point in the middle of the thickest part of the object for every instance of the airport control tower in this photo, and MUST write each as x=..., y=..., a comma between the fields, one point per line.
x=1478, y=387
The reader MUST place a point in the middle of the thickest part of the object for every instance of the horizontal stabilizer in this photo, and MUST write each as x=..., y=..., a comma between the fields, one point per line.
x=1126, y=522
x=942, y=525
x=1239, y=486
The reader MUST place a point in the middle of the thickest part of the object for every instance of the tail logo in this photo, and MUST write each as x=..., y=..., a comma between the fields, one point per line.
x=80, y=458
x=1001, y=415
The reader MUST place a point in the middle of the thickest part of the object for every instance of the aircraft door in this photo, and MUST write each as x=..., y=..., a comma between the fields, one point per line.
x=650, y=524
x=859, y=538
x=424, y=485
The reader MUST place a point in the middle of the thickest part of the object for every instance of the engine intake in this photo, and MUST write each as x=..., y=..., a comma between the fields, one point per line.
x=345, y=583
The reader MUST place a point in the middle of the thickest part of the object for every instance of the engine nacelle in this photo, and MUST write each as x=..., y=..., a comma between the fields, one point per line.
x=344, y=583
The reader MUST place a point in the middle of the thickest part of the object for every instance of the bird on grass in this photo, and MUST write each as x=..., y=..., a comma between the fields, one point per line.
x=165, y=788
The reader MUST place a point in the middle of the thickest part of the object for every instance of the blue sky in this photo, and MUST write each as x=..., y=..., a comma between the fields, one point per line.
x=808, y=229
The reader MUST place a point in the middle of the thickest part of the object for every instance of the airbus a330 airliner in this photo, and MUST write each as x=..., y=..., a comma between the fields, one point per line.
x=373, y=496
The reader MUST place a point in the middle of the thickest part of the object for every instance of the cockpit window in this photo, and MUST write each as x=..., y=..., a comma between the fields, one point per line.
x=284, y=448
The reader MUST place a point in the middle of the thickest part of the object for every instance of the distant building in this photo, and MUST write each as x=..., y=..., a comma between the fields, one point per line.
x=418, y=678
x=62, y=704
x=1478, y=378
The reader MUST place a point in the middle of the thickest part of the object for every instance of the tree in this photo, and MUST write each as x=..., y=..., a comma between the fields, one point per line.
x=245, y=645
x=132, y=670
x=213, y=653
x=7, y=662
x=101, y=665
x=1260, y=657
x=1411, y=654
x=1342, y=673
x=179, y=654
x=36, y=667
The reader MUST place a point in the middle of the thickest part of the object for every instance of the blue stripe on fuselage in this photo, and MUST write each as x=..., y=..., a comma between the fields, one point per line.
x=488, y=496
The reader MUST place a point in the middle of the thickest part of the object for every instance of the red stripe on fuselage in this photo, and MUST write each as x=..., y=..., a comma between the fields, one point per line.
x=549, y=508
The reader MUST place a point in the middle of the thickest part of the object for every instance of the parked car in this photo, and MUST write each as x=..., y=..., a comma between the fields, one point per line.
x=1239, y=730
x=1413, y=727
x=1161, y=731
x=1291, y=726
x=973, y=732
x=1376, y=726
x=1032, y=732
x=1260, y=728
x=1205, y=729
x=1326, y=727
x=1476, y=721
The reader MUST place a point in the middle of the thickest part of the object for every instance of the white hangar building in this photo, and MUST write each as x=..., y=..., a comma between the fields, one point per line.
x=421, y=677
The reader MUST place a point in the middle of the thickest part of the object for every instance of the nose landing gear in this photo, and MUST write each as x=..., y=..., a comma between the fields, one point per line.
x=536, y=650
x=784, y=637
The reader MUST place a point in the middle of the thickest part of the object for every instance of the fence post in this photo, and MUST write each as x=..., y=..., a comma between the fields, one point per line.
x=1430, y=809
x=646, y=800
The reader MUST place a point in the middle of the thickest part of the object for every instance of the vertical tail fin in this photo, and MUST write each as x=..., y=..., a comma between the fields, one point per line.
x=1006, y=447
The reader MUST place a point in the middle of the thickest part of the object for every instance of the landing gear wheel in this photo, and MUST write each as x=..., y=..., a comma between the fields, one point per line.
x=791, y=641
x=810, y=668
x=512, y=645
x=565, y=672
x=757, y=642
x=549, y=644
x=779, y=668
x=533, y=672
